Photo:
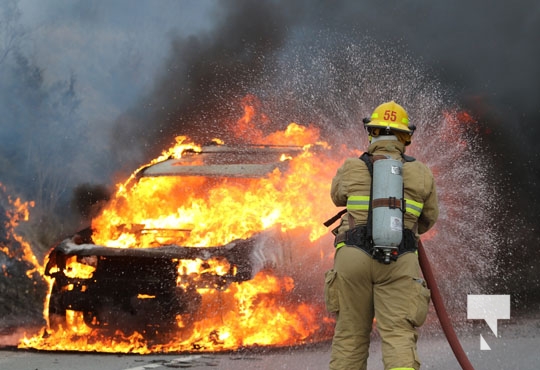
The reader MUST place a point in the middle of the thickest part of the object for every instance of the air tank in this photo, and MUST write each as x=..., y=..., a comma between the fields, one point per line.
x=387, y=202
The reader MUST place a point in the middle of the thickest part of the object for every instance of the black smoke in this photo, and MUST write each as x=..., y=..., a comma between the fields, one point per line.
x=87, y=198
x=485, y=56
x=203, y=80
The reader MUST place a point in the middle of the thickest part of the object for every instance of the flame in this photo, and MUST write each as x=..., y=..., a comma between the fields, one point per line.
x=458, y=123
x=247, y=314
x=196, y=211
x=230, y=209
x=267, y=310
x=18, y=211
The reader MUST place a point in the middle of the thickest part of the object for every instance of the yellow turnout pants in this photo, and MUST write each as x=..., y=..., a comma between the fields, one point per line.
x=360, y=288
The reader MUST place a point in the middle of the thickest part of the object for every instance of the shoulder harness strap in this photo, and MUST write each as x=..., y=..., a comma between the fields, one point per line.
x=368, y=160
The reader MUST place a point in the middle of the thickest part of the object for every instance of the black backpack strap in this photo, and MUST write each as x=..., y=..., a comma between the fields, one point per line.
x=336, y=217
x=367, y=159
x=407, y=158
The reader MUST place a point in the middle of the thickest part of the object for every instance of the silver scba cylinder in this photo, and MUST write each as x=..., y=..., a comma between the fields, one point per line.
x=386, y=202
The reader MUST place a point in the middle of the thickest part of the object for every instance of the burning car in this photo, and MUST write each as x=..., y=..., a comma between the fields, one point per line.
x=206, y=248
x=146, y=276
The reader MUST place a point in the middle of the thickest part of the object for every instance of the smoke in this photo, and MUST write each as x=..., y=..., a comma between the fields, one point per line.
x=93, y=115
x=481, y=54
x=203, y=79
x=88, y=197
x=331, y=63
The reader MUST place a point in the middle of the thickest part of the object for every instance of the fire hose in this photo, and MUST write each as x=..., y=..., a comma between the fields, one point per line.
x=442, y=314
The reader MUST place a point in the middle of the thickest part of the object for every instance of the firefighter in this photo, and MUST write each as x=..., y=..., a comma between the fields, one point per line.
x=361, y=286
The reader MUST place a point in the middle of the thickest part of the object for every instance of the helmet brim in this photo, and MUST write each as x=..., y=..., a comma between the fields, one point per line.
x=388, y=126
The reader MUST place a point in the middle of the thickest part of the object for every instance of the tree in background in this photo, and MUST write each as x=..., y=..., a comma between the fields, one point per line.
x=36, y=150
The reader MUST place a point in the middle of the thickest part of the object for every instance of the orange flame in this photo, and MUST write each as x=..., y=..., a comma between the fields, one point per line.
x=17, y=212
x=229, y=209
x=205, y=212
x=270, y=309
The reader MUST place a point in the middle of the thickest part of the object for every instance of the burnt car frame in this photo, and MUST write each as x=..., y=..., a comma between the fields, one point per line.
x=143, y=289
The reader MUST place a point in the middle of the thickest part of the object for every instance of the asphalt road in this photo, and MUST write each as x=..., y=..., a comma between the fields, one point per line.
x=516, y=347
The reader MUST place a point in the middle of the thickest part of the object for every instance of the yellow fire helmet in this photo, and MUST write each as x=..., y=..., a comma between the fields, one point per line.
x=391, y=117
